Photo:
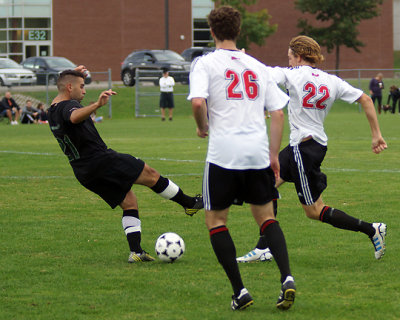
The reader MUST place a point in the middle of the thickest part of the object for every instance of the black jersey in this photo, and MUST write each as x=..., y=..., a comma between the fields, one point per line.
x=80, y=142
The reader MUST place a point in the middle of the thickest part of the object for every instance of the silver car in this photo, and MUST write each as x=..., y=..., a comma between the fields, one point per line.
x=11, y=73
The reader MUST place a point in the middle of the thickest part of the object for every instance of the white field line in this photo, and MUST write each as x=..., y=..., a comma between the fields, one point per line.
x=185, y=160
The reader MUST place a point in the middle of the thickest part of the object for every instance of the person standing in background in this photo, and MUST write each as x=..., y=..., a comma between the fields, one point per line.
x=375, y=89
x=166, y=97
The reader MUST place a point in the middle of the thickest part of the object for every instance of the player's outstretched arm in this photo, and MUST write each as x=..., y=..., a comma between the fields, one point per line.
x=275, y=132
x=199, y=108
x=82, y=114
x=378, y=143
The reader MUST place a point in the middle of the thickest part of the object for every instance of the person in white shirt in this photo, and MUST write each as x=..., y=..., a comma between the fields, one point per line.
x=312, y=93
x=228, y=91
x=166, y=97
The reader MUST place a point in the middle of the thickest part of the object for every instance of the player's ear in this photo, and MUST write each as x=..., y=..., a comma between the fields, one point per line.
x=68, y=86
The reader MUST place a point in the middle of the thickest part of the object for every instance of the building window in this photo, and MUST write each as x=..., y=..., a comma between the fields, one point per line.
x=201, y=36
x=25, y=28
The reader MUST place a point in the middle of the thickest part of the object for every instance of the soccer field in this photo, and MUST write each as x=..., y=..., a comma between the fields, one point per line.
x=63, y=253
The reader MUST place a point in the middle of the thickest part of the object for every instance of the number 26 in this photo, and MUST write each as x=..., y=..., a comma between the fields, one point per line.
x=250, y=85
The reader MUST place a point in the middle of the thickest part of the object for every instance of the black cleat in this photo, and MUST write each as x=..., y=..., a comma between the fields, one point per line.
x=196, y=207
x=287, y=294
x=243, y=301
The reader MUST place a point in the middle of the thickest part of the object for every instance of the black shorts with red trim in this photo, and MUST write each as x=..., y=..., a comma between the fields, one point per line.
x=223, y=187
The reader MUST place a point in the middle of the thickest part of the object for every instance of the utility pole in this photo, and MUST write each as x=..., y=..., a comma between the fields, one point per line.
x=166, y=14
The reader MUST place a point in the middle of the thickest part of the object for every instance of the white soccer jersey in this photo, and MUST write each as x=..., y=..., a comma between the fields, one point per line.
x=312, y=93
x=167, y=84
x=237, y=88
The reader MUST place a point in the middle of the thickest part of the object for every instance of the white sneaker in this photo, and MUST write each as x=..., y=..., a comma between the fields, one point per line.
x=14, y=123
x=256, y=255
x=378, y=240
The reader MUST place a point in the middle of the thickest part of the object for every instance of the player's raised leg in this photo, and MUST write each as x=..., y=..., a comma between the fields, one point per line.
x=169, y=190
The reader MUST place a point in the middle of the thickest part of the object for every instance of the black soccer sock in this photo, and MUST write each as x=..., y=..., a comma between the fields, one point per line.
x=170, y=191
x=277, y=244
x=262, y=243
x=225, y=251
x=341, y=220
x=132, y=227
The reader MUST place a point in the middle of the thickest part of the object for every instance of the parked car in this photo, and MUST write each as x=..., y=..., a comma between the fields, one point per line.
x=154, y=60
x=11, y=73
x=190, y=54
x=50, y=67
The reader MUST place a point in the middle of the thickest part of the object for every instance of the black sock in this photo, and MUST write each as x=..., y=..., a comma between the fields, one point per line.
x=225, y=251
x=130, y=220
x=262, y=243
x=184, y=200
x=134, y=240
x=341, y=220
x=169, y=190
x=277, y=244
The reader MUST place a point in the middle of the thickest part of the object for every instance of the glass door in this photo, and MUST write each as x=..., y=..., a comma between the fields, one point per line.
x=34, y=49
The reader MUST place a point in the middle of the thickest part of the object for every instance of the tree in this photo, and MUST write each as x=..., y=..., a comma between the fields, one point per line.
x=255, y=25
x=340, y=19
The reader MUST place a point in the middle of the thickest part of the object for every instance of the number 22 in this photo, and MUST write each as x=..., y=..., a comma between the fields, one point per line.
x=312, y=93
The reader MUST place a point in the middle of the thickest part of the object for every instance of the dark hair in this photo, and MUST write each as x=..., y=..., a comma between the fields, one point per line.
x=65, y=75
x=71, y=73
x=225, y=23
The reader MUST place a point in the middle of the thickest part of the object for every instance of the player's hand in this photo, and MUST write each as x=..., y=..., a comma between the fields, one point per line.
x=274, y=163
x=202, y=133
x=104, y=96
x=81, y=69
x=378, y=145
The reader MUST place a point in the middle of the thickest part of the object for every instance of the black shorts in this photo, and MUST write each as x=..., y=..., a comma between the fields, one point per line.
x=114, y=180
x=224, y=187
x=167, y=100
x=301, y=164
x=378, y=98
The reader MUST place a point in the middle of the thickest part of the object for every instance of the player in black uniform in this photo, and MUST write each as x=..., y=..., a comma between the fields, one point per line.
x=102, y=170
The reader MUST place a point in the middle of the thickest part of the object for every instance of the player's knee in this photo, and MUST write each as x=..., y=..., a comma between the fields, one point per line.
x=312, y=214
x=149, y=176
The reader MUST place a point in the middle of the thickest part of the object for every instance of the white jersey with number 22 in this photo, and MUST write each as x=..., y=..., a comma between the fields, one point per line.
x=312, y=93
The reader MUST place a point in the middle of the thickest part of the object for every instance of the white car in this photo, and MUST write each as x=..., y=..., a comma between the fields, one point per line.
x=11, y=73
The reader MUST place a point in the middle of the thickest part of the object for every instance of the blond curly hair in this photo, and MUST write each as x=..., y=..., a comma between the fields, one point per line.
x=307, y=48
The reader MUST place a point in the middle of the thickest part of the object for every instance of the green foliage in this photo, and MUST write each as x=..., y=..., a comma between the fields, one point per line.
x=255, y=25
x=340, y=20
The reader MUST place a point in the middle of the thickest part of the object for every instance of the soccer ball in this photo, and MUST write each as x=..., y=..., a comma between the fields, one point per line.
x=169, y=247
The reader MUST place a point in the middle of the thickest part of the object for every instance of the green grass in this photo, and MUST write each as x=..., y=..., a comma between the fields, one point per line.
x=63, y=254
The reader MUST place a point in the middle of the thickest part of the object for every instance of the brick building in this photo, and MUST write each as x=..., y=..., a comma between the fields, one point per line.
x=101, y=33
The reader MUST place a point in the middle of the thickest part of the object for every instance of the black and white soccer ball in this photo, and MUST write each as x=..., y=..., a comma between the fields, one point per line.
x=169, y=247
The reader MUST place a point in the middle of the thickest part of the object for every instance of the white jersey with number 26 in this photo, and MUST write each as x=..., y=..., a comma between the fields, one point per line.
x=237, y=87
x=312, y=93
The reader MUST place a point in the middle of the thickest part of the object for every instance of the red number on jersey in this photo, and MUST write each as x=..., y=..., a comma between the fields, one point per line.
x=312, y=93
x=310, y=88
x=234, y=77
x=325, y=95
x=250, y=84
